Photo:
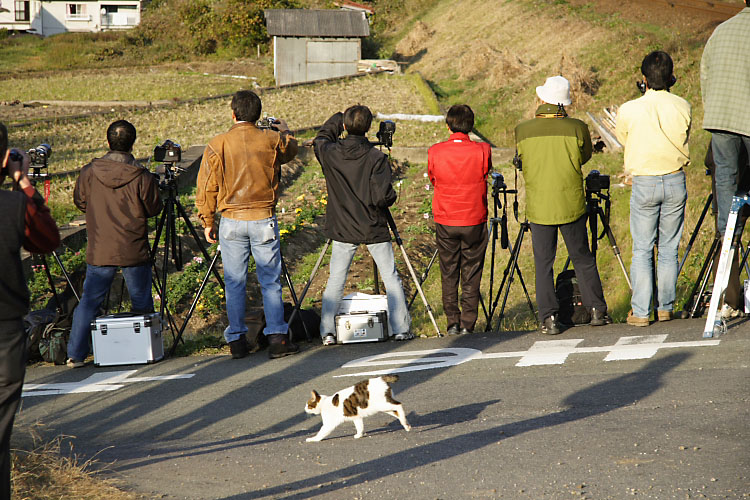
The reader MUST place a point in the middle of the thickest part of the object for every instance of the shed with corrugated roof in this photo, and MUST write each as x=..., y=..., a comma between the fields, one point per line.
x=315, y=44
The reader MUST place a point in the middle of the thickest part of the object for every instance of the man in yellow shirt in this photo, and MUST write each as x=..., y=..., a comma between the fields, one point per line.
x=654, y=130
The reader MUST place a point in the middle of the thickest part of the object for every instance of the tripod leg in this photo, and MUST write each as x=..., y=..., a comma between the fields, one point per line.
x=695, y=232
x=506, y=273
x=423, y=278
x=189, y=314
x=400, y=244
x=67, y=277
x=700, y=281
x=615, y=248
x=297, y=303
x=714, y=323
x=309, y=282
x=197, y=239
x=51, y=282
x=512, y=266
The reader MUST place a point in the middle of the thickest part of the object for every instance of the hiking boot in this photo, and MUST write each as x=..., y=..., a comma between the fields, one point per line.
x=238, y=348
x=664, y=315
x=637, y=321
x=404, y=336
x=72, y=363
x=599, y=317
x=453, y=329
x=550, y=326
x=329, y=339
x=279, y=346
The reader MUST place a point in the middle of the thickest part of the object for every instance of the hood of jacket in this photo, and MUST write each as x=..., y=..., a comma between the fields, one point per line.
x=116, y=169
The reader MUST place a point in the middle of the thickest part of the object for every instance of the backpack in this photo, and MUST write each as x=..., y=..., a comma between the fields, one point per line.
x=305, y=319
x=571, y=311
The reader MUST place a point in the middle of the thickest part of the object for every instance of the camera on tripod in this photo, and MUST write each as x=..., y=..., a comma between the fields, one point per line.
x=269, y=122
x=596, y=182
x=39, y=158
x=168, y=152
x=385, y=133
x=498, y=181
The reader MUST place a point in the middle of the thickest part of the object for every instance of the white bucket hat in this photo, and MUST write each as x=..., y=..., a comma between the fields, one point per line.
x=556, y=90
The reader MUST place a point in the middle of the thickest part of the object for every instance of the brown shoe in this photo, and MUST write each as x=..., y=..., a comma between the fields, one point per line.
x=279, y=346
x=637, y=321
x=664, y=315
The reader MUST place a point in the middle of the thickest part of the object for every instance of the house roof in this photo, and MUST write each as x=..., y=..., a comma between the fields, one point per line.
x=318, y=23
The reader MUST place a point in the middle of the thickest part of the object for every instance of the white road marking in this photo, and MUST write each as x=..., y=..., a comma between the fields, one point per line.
x=97, y=382
x=547, y=352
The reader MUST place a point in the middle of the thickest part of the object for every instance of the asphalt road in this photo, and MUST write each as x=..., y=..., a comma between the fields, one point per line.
x=608, y=412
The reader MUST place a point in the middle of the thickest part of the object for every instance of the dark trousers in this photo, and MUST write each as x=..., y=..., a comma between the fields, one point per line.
x=12, y=371
x=544, y=243
x=461, y=250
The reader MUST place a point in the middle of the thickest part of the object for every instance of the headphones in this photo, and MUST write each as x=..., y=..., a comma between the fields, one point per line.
x=642, y=85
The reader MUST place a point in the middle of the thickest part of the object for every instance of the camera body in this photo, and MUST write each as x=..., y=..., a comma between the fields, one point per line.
x=169, y=152
x=269, y=122
x=596, y=182
x=517, y=161
x=385, y=133
x=39, y=156
x=498, y=181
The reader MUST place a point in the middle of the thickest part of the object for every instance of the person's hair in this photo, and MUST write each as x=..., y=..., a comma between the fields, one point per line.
x=121, y=136
x=460, y=118
x=357, y=120
x=657, y=68
x=246, y=106
x=3, y=141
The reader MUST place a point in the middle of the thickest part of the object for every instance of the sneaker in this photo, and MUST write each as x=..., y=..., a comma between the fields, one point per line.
x=279, y=346
x=728, y=312
x=329, y=339
x=664, y=315
x=550, y=326
x=637, y=321
x=599, y=317
x=464, y=331
x=403, y=336
x=238, y=348
x=72, y=363
x=453, y=329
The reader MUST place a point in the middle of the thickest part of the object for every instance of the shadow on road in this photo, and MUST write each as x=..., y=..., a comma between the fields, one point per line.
x=599, y=399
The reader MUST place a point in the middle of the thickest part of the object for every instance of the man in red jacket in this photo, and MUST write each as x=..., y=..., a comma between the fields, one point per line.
x=458, y=169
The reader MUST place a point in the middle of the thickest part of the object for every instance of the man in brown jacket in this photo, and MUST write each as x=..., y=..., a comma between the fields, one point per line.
x=239, y=177
x=118, y=196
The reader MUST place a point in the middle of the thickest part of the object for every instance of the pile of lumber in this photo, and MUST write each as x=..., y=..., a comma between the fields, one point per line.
x=605, y=127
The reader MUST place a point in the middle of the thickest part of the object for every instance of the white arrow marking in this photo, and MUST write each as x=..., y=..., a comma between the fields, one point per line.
x=548, y=352
x=97, y=382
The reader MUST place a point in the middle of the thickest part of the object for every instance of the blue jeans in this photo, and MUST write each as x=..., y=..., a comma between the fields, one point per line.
x=726, y=149
x=341, y=258
x=95, y=287
x=657, y=207
x=238, y=238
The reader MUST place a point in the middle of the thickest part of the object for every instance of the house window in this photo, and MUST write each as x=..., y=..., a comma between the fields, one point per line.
x=22, y=10
x=76, y=11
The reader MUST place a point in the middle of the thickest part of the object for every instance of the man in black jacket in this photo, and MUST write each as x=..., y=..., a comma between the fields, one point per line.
x=358, y=179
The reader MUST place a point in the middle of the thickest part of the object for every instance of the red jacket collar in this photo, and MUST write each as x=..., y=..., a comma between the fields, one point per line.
x=459, y=136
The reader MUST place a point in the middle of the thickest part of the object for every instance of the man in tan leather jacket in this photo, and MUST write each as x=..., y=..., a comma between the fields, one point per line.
x=239, y=177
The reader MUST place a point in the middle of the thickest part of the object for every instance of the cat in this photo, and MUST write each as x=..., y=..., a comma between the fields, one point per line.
x=366, y=398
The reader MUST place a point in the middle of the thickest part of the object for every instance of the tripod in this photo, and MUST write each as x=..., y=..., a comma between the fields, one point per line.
x=400, y=243
x=595, y=211
x=499, y=186
x=167, y=223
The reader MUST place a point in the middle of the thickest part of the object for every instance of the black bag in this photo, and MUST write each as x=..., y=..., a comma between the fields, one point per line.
x=35, y=324
x=572, y=311
x=306, y=318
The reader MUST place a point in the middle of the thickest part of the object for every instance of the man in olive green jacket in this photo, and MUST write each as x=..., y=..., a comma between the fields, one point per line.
x=552, y=147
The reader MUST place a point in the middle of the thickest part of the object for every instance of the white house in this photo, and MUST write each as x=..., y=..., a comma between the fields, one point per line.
x=50, y=17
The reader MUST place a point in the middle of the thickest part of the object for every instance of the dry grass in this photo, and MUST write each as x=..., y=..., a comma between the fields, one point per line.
x=51, y=470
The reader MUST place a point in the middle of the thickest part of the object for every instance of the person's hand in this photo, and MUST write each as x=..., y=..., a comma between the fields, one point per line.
x=18, y=170
x=210, y=234
x=281, y=125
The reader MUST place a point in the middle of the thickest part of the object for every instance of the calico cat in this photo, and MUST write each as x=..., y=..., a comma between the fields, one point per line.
x=355, y=403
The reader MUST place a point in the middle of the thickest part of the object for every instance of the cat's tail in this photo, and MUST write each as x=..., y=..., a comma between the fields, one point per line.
x=389, y=378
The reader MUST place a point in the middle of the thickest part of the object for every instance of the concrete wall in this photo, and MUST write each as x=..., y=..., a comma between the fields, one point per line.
x=307, y=59
x=51, y=18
